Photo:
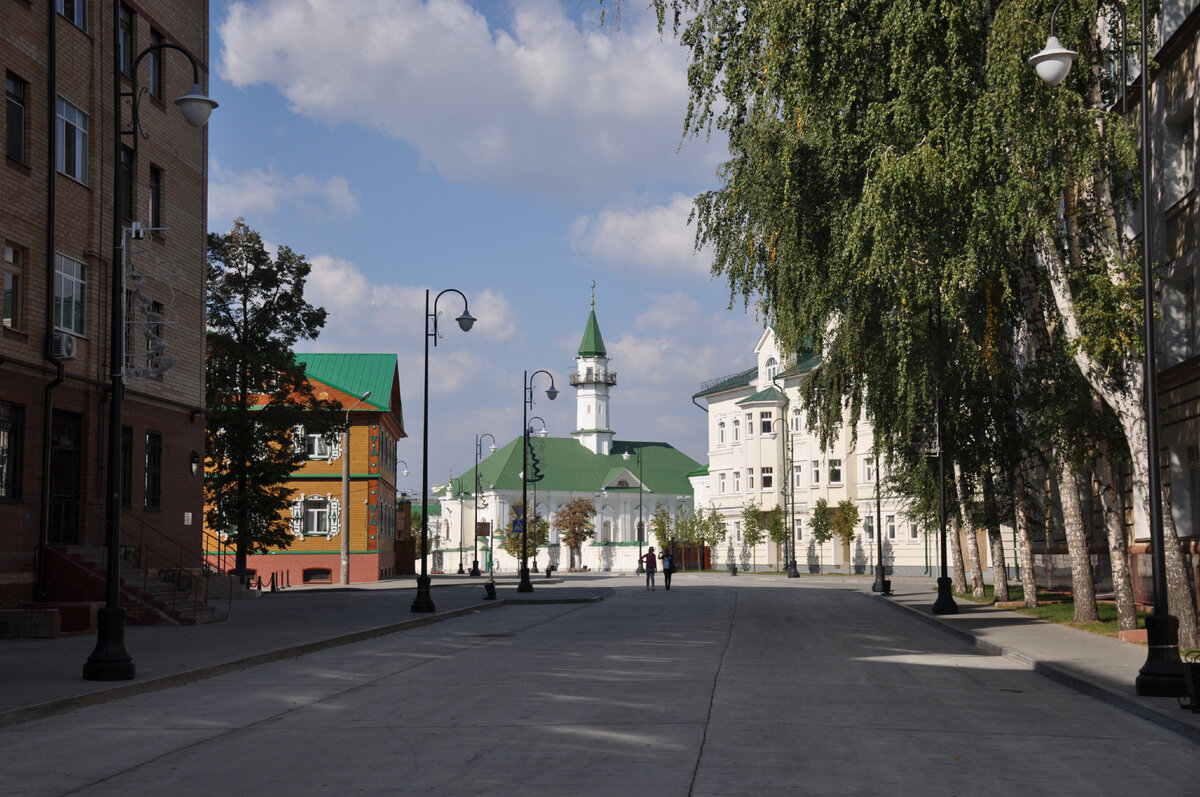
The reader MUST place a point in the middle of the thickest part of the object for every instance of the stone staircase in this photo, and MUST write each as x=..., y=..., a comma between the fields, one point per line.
x=150, y=597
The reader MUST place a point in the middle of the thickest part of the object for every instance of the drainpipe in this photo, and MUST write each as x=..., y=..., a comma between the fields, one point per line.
x=48, y=352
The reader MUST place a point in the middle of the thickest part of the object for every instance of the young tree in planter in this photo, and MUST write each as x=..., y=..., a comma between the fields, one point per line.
x=539, y=533
x=710, y=528
x=662, y=527
x=845, y=519
x=753, y=531
x=821, y=524
x=255, y=391
x=574, y=524
x=777, y=530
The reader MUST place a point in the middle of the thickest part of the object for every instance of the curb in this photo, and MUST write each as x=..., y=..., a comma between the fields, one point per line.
x=1061, y=675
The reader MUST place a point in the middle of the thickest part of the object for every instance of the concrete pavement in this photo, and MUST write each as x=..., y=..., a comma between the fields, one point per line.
x=721, y=686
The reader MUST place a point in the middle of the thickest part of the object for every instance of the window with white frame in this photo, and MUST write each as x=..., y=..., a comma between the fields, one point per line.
x=316, y=446
x=1179, y=158
x=721, y=484
x=868, y=527
x=749, y=478
x=816, y=471
x=737, y=529
x=721, y=433
x=767, y=418
x=796, y=476
x=75, y=11
x=72, y=141
x=749, y=425
x=797, y=422
x=772, y=368
x=913, y=532
x=868, y=469
x=737, y=481
x=10, y=282
x=70, y=295
x=835, y=471
x=768, y=478
x=737, y=430
x=889, y=525
x=799, y=530
x=316, y=515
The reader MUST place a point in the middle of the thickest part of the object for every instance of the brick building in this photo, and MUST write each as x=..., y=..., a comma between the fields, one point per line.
x=62, y=183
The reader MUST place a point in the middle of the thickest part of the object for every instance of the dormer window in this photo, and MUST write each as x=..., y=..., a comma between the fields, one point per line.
x=772, y=367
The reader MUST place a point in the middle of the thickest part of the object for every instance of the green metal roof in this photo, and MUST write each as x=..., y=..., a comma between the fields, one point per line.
x=702, y=471
x=724, y=383
x=771, y=395
x=592, y=344
x=569, y=467
x=354, y=374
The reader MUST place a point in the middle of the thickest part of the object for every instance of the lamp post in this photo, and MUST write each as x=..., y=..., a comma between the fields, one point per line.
x=451, y=490
x=526, y=402
x=881, y=585
x=945, y=585
x=1162, y=674
x=345, y=513
x=475, y=533
x=423, y=602
x=109, y=661
x=789, y=545
x=641, y=569
x=542, y=433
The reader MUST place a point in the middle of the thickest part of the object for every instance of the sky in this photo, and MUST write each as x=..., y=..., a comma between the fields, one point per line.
x=514, y=150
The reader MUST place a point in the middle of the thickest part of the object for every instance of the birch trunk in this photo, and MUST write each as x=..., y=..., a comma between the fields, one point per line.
x=1118, y=553
x=995, y=541
x=959, y=573
x=1083, y=590
x=964, y=510
x=1024, y=543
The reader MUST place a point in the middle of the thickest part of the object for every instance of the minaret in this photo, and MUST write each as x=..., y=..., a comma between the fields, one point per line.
x=591, y=380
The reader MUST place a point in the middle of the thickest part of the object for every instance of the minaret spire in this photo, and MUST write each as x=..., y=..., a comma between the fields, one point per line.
x=591, y=380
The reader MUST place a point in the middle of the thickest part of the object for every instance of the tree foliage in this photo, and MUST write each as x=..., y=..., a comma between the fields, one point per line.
x=821, y=522
x=255, y=392
x=539, y=533
x=574, y=523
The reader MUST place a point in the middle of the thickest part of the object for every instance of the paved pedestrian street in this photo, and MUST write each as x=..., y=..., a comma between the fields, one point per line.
x=720, y=686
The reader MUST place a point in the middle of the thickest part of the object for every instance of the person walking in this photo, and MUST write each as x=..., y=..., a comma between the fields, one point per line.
x=668, y=565
x=651, y=563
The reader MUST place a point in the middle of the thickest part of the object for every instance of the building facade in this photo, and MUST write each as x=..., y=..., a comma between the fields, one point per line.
x=62, y=185
x=625, y=480
x=354, y=482
x=760, y=453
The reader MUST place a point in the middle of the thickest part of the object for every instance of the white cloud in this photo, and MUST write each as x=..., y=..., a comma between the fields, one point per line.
x=235, y=194
x=541, y=104
x=657, y=239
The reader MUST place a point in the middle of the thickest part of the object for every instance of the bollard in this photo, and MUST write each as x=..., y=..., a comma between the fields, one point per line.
x=548, y=569
x=489, y=591
x=733, y=568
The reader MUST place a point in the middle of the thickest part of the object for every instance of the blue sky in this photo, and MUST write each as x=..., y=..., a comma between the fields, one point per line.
x=511, y=149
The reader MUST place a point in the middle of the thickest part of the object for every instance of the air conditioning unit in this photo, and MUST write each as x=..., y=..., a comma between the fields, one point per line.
x=63, y=346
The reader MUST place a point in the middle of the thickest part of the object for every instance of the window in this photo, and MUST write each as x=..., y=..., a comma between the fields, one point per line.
x=72, y=141
x=70, y=294
x=767, y=418
x=768, y=478
x=12, y=440
x=721, y=483
x=816, y=471
x=835, y=471
x=153, y=497
x=125, y=41
x=154, y=191
x=14, y=119
x=1179, y=156
x=889, y=524
x=737, y=429
x=749, y=425
x=868, y=527
x=868, y=469
x=721, y=433
x=796, y=476
x=749, y=478
x=10, y=272
x=737, y=529
x=75, y=11
x=316, y=516
x=154, y=66
x=126, y=466
x=125, y=184
x=799, y=530
x=772, y=367
x=737, y=481
x=316, y=446
x=797, y=424
x=913, y=533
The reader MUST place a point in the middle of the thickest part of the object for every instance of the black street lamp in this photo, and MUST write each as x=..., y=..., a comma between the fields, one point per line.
x=109, y=661
x=475, y=534
x=423, y=602
x=543, y=433
x=881, y=585
x=789, y=546
x=641, y=529
x=526, y=403
x=1162, y=674
x=450, y=491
